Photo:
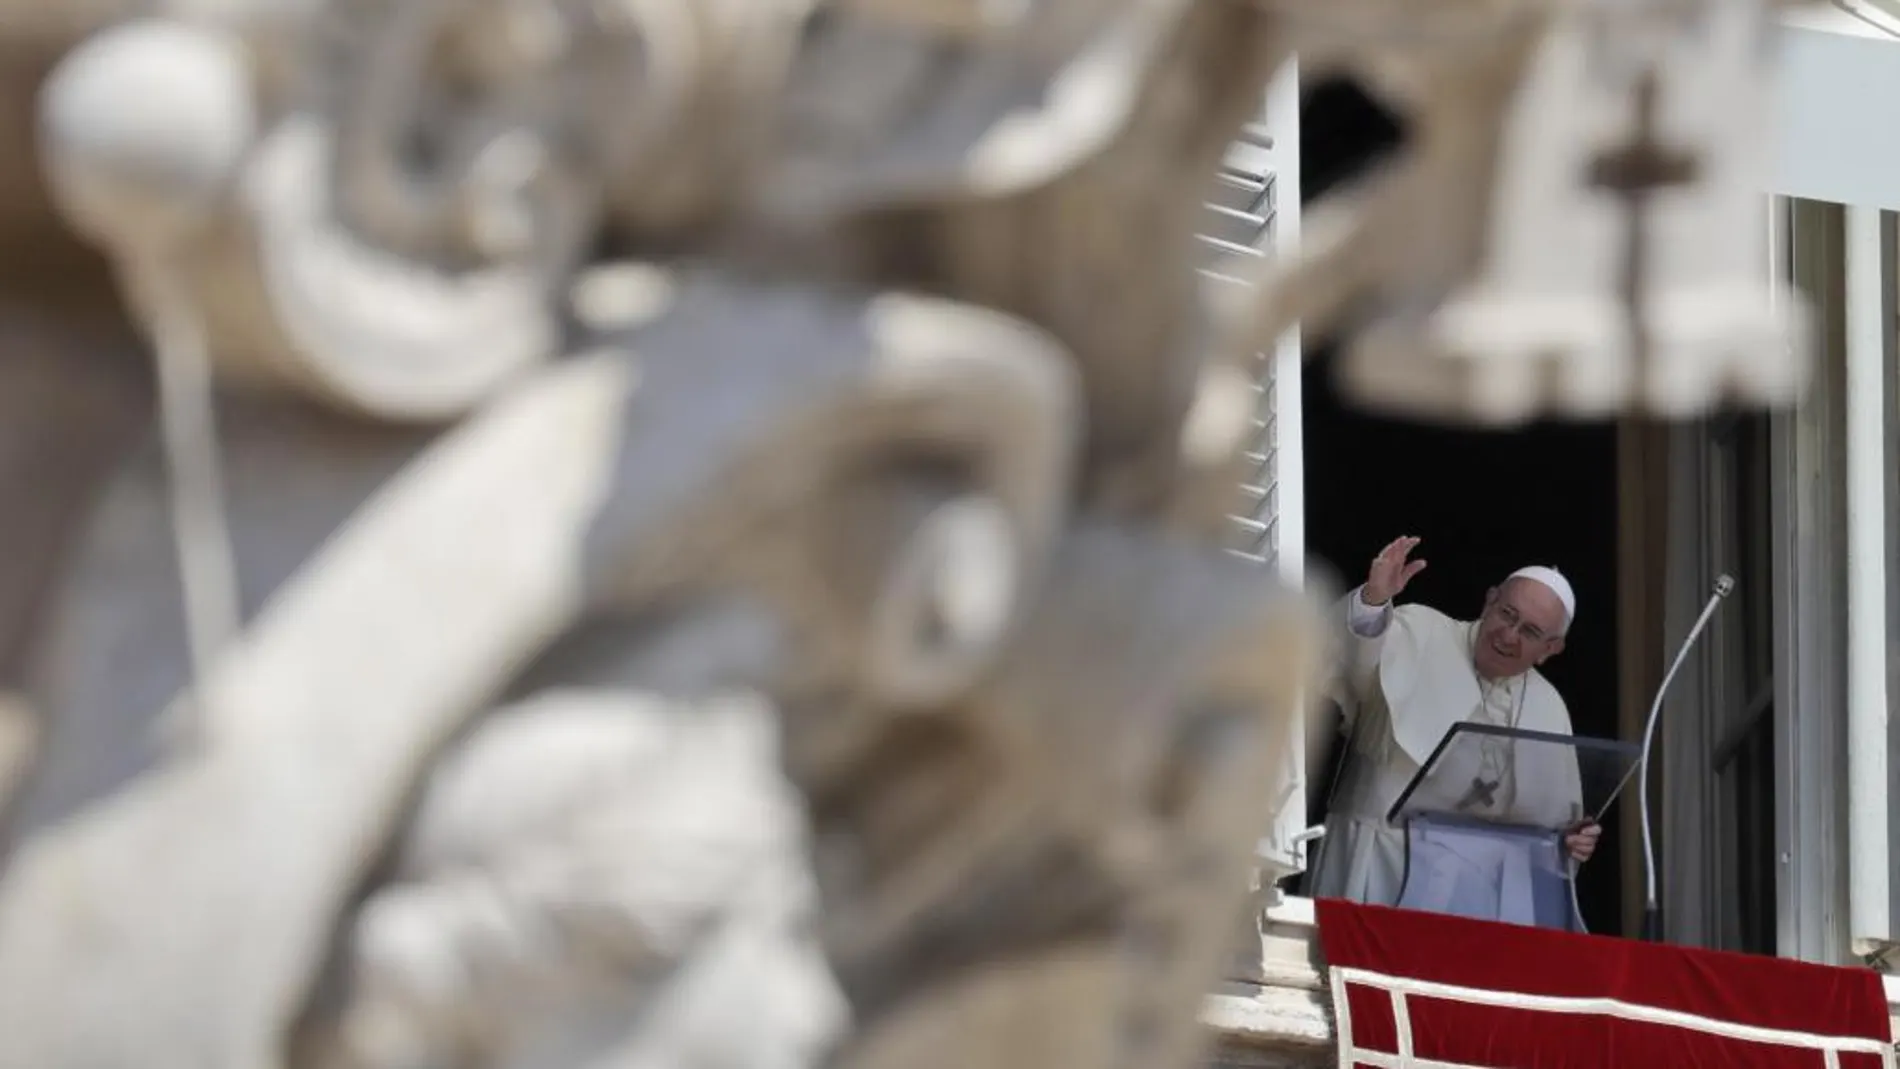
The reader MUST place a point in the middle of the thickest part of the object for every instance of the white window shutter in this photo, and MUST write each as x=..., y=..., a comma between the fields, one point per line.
x=1254, y=212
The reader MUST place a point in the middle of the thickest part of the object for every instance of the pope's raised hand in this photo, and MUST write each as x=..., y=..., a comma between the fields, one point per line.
x=1391, y=570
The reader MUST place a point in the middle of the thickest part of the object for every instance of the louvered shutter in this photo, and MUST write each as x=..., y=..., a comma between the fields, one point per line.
x=1254, y=212
x=1242, y=216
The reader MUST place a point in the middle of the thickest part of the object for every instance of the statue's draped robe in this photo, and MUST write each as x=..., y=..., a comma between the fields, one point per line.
x=112, y=654
x=1400, y=688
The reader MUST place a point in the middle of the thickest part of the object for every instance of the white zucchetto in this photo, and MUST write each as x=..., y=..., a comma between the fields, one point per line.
x=1554, y=580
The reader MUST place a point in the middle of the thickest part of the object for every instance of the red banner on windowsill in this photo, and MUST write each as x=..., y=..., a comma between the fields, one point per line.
x=1424, y=991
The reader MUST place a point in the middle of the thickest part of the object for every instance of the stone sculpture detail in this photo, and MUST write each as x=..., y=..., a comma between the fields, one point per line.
x=707, y=556
x=1580, y=195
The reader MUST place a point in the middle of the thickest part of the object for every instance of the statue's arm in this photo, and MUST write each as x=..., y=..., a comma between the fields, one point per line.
x=19, y=744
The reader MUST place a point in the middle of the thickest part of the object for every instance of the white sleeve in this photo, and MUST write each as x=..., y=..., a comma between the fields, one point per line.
x=1366, y=621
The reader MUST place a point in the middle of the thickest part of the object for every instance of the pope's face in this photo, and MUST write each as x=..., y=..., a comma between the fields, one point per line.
x=1521, y=628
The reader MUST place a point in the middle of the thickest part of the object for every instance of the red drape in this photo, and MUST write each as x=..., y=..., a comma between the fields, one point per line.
x=1434, y=992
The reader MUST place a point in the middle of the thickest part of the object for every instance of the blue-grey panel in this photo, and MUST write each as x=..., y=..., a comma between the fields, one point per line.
x=1837, y=110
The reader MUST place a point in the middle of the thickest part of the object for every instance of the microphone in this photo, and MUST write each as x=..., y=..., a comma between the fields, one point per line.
x=1652, y=916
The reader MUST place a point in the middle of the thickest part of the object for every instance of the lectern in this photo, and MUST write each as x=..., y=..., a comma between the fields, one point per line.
x=1485, y=817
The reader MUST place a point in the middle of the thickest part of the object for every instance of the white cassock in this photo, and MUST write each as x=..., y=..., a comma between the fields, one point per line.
x=1405, y=677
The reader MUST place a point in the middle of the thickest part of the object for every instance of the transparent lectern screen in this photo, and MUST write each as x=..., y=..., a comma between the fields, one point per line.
x=1513, y=776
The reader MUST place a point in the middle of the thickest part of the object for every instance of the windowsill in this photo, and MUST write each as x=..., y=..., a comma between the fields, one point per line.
x=1283, y=1012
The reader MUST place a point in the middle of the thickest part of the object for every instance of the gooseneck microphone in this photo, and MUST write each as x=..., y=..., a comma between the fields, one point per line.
x=1652, y=917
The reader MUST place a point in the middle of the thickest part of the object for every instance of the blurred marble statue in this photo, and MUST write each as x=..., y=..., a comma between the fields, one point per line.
x=1577, y=226
x=684, y=532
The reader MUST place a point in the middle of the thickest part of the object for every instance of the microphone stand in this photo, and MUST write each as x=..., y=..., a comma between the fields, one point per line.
x=1652, y=914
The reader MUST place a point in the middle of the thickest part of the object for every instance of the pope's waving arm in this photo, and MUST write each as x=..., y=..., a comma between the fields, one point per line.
x=1364, y=616
x=1361, y=620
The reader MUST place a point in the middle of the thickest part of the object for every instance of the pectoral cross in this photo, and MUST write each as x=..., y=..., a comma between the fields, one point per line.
x=1634, y=171
x=1483, y=792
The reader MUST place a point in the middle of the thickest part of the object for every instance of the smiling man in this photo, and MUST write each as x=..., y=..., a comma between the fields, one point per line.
x=1406, y=675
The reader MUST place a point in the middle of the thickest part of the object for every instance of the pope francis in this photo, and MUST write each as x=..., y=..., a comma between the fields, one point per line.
x=1406, y=675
